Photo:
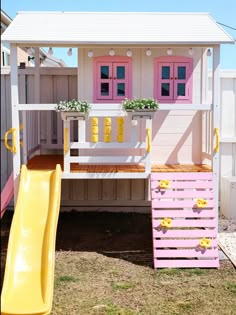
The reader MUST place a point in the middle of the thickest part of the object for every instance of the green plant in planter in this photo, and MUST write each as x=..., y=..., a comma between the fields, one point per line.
x=73, y=106
x=140, y=104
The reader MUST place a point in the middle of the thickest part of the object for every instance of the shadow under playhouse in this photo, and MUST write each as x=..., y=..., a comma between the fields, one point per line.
x=168, y=161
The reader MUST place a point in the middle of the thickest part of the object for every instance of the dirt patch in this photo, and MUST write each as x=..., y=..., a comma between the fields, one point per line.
x=104, y=267
x=119, y=235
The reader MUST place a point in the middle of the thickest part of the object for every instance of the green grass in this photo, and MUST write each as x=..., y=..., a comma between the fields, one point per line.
x=231, y=287
x=117, y=310
x=122, y=285
x=67, y=279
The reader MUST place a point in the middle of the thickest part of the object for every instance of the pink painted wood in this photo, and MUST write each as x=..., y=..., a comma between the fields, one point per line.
x=179, y=204
x=7, y=194
x=185, y=184
x=157, y=194
x=112, y=62
x=188, y=221
x=188, y=263
x=181, y=176
x=179, y=243
x=184, y=233
x=185, y=253
x=199, y=213
x=173, y=62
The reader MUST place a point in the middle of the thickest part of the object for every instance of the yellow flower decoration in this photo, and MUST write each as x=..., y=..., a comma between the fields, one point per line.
x=205, y=243
x=164, y=183
x=201, y=203
x=166, y=223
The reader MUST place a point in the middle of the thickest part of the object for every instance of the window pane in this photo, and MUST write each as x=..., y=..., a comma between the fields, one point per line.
x=104, y=89
x=165, y=72
x=182, y=73
x=104, y=72
x=120, y=89
x=181, y=89
x=165, y=89
x=120, y=72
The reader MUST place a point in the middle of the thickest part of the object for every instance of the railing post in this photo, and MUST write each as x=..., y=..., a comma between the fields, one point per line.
x=66, y=124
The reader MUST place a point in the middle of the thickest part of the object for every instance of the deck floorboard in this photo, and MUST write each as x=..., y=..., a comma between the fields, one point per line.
x=48, y=162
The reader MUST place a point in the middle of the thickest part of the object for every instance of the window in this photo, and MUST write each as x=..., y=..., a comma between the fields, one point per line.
x=173, y=79
x=112, y=79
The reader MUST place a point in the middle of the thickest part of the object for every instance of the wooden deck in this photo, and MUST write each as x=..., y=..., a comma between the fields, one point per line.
x=48, y=162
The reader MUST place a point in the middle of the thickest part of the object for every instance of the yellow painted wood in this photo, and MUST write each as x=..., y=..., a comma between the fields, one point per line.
x=94, y=138
x=107, y=121
x=149, y=145
x=94, y=129
x=120, y=120
x=107, y=138
x=94, y=121
x=120, y=129
x=217, y=146
x=107, y=129
x=66, y=141
x=120, y=138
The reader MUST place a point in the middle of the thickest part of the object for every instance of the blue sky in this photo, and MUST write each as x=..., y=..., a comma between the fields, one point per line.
x=223, y=11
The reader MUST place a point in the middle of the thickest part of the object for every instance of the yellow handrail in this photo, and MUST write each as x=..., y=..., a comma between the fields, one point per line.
x=149, y=146
x=217, y=146
x=13, y=147
x=66, y=142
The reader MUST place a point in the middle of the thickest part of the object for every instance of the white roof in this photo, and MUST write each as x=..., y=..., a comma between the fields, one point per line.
x=72, y=28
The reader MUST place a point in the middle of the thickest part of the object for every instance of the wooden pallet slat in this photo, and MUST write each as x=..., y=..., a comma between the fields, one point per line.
x=180, y=243
x=186, y=263
x=187, y=223
x=178, y=246
x=185, y=253
x=173, y=204
x=193, y=213
x=188, y=194
x=185, y=233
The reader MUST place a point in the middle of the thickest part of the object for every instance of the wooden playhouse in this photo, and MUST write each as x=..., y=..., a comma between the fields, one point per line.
x=170, y=161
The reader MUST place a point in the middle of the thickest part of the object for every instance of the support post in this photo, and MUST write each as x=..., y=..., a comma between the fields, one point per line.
x=15, y=118
x=37, y=87
x=216, y=121
x=66, y=124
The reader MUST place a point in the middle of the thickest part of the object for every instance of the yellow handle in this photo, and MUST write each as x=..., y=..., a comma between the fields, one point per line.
x=66, y=142
x=13, y=147
x=148, y=140
x=217, y=147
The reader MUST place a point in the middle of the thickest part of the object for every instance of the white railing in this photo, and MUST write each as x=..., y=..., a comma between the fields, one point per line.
x=120, y=147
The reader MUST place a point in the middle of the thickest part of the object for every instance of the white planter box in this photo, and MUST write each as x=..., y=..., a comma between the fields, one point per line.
x=73, y=115
x=228, y=197
x=142, y=113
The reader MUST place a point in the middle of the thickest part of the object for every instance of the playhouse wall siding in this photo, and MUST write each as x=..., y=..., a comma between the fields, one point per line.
x=183, y=126
x=55, y=85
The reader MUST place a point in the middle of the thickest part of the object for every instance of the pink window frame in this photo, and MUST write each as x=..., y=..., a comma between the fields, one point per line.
x=171, y=61
x=108, y=60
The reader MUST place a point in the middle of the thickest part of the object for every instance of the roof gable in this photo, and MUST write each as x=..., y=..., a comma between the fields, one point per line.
x=73, y=28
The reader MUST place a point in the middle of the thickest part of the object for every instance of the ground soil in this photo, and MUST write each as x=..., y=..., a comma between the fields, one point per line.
x=104, y=267
x=119, y=235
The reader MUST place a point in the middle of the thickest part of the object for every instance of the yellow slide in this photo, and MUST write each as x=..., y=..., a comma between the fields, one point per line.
x=29, y=273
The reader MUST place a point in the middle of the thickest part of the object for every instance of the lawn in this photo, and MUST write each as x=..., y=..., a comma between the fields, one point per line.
x=104, y=267
x=90, y=283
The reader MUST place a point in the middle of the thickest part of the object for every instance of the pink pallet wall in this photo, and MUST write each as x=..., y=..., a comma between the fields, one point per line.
x=178, y=246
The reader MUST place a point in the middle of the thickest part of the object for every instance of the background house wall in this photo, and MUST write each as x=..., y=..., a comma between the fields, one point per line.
x=57, y=84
